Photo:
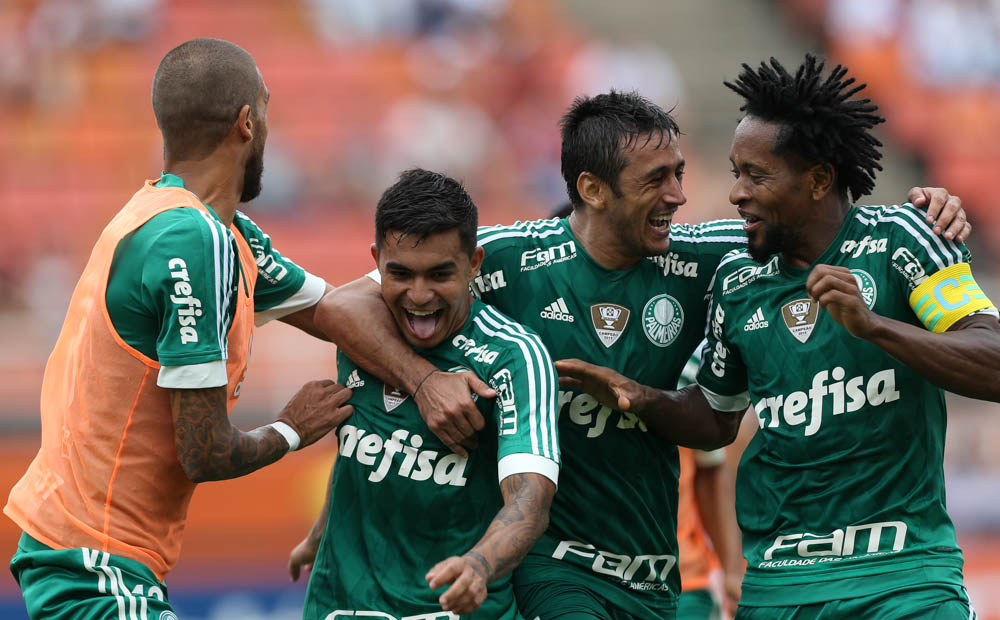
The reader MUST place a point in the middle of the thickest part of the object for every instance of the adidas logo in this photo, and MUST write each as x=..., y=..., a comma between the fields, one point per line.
x=756, y=321
x=354, y=381
x=558, y=311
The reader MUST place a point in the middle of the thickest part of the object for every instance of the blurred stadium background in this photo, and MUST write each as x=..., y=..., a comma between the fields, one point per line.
x=362, y=89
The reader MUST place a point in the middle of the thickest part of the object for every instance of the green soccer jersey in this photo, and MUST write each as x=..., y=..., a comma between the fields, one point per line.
x=613, y=521
x=842, y=488
x=401, y=501
x=186, y=333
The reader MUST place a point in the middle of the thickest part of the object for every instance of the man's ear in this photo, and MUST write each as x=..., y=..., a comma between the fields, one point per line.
x=593, y=191
x=476, y=262
x=822, y=178
x=245, y=123
x=375, y=253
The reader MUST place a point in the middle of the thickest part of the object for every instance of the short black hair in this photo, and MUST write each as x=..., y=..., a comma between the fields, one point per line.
x=198, y=91
x=821, y=123
x=596, y=131
x=423, y=203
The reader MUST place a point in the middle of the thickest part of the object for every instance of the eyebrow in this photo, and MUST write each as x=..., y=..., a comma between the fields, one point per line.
x=655, y=172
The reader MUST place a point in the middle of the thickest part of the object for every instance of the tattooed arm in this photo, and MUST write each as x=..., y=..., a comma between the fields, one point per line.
x=523, y=518
x=209, y=447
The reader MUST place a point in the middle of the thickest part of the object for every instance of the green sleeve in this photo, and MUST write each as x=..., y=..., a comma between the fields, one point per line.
x=278, y=278
x=172, y=288
x=526, y=404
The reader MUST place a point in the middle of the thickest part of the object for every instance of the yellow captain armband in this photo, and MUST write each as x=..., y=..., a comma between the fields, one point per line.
x=948, y=296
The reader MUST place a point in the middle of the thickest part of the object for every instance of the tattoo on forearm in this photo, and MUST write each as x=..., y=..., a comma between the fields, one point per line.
x=517, y=525
x=209, y=447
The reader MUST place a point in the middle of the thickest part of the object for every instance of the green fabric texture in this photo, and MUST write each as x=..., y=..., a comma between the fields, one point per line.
x=86, y=584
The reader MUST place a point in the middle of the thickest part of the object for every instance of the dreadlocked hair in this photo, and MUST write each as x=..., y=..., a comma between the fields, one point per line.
x=820, y=122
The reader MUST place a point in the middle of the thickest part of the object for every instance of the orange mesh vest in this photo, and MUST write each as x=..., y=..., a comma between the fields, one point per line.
x=696, y=558
x=107, y=475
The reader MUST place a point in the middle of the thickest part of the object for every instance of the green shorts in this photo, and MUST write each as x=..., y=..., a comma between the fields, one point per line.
x=548, y=589
x=926, y=601
x=86, y=584
x=698, y=605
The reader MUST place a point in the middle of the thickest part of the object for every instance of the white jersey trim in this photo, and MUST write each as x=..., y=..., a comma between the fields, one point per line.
x=947, y=252
x=736, y=402
x=523, y=463
x=309, y=294
x=375, y=275
x=193, y=376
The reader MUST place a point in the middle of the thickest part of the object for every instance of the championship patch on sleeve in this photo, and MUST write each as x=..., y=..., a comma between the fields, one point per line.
x=948, y=296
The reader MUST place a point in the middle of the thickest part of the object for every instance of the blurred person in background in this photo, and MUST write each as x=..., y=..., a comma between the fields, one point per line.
x=387, y=518
x=840, y=494
x=616, y=282
x=153, y=353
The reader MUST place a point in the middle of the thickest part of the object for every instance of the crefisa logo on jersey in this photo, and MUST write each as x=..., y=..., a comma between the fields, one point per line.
x=392, y=397
x=866, y=284
x=609, y=322
x=662, y=319
x=488, y=282
x=800, y=317
x=188, y=306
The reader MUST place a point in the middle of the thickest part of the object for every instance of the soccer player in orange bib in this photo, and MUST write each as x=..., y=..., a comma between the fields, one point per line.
x=153, y=353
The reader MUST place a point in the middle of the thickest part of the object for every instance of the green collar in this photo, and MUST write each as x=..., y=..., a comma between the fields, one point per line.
x=172, y=180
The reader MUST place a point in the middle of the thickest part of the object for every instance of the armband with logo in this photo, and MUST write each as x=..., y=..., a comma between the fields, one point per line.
x=948, y=296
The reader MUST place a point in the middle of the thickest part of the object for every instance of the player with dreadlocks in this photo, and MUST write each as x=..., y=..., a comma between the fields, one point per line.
x=841, y=324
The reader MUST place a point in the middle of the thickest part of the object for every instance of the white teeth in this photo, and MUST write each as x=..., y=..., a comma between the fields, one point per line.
x=420, y=312
x=659, y=221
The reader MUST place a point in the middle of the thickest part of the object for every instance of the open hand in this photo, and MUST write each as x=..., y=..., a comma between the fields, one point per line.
x=609, y=387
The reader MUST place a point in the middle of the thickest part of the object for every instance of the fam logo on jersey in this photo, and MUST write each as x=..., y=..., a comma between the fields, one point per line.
x=392, y=397
x=188, y=306
x=748, y=274
x=800, y=317
x=865, y=246
x=167, y=615
x=840, y=543
x=557, y=311
x=662, y=319
x=354, y=380
x=756, y=321
x=503, y=383
x=907, y=264
x=488, y=282
x=671, y=264
x=866, y=284
x=609, y=322
x=268, y=267
x=543, y=257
